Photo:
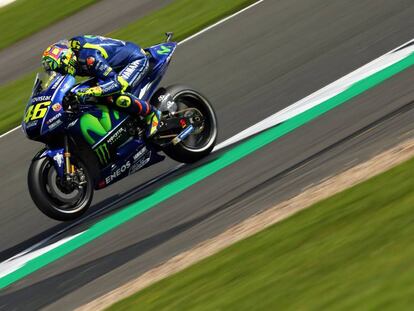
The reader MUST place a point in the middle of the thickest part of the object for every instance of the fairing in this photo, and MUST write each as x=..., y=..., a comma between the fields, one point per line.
x=160, y=56
x=102, y=129
x=44, y=113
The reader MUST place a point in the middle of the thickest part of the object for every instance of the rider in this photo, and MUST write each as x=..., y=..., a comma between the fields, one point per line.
x=118, y=66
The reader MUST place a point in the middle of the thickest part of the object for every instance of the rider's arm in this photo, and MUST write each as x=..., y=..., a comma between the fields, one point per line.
x=110, y=81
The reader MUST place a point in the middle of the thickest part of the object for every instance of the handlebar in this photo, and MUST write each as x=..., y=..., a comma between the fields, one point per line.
x=71, y=103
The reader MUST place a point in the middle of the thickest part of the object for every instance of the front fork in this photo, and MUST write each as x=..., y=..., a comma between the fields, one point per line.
x=61, y=159
x=72, y=175
x=69, y=168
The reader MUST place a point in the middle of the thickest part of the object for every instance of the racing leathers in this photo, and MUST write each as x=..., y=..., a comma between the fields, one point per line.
x=118, y=66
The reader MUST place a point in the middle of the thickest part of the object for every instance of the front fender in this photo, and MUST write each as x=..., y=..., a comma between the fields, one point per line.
x=56, y=156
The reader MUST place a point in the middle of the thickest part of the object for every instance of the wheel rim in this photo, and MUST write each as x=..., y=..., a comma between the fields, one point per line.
x=63, y=200
x=202, y=138
x=54, y=189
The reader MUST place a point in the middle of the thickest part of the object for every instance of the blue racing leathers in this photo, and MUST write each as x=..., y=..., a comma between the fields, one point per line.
x=117, y=66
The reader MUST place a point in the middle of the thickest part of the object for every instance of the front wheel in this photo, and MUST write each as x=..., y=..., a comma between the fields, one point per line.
x=202, y=141
x=55, y=198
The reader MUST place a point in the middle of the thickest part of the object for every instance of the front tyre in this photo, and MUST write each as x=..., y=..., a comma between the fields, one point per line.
x=202, y=141
x=52, y=197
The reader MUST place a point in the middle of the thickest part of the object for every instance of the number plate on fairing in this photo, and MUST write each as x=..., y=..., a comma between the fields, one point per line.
x=36, y=111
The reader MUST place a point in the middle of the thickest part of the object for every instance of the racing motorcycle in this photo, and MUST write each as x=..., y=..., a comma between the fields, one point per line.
x=90, y=145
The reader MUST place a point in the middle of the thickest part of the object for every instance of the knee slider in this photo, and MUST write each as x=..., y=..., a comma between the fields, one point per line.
x=123, y=101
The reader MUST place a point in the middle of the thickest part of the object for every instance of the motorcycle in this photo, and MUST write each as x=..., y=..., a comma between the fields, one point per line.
x=90, y=145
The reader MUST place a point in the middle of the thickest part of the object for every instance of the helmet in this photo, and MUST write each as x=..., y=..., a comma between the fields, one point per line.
x=59, y=57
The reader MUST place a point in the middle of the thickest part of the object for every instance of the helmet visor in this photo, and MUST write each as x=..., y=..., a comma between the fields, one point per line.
x=49, y=64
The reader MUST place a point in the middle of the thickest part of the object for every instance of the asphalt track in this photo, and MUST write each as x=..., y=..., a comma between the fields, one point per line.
x=251, y=66
x=99, y=18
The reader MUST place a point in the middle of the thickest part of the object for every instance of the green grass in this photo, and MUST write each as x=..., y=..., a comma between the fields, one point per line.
x=353, y=251
x=25, y=17
x=183, y=17
x=13, y=98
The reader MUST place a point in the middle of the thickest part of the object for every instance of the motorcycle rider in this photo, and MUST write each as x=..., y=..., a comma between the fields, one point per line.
x=117, y=66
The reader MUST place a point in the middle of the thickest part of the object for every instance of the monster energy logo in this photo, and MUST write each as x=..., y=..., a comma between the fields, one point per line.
x=103, y=153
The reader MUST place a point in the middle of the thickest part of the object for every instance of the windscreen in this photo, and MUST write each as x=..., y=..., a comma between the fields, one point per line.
x=43, y=81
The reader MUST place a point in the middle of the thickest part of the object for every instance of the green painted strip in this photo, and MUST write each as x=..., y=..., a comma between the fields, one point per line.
x=115, y=220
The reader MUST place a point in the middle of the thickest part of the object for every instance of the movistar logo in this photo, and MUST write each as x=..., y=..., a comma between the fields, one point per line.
x=99, y=126
x=103, y=153
x=163, y=50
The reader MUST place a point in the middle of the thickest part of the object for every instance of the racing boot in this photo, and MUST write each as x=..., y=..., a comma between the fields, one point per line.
x=134, y=106
x=153, y=122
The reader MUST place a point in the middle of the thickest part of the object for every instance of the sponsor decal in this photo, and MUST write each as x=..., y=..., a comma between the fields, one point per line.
x=115, y=137
x=53, y=119
x=163, y=50
x=40, y=99
x=59, y=159
x=166, y=101
x=138, y=165
x=170, y=104
x=56, y=84
x=32, y=123
x=101, y=66
x=128, y=71
x=57, y=107
x=140, y=153
x=55, y=125
x=72, y=123
x=116, y=173
x=103, y=153
x=107, y=71
x=111, y=88
x=98, y=126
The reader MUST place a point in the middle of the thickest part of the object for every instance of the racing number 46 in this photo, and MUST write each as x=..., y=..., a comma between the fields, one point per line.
x=35, y=112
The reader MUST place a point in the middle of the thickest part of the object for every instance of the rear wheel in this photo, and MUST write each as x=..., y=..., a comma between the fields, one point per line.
x=193, y=105
x=56, y=198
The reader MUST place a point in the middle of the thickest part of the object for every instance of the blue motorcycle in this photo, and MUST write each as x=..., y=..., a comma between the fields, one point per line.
x=90, y=145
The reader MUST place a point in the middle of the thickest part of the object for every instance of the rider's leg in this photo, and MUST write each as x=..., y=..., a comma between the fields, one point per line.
x=131, y=104
x=133, y=74
x=134, y=106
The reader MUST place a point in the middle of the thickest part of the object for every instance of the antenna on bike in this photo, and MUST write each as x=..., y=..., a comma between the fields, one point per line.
x=169, y=36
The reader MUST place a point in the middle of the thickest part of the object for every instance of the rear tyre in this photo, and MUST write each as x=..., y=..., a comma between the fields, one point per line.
x=202, y=141
x=51, y=197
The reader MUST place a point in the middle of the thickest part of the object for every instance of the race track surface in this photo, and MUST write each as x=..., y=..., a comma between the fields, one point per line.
x=98, y=19
x=250, y=67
